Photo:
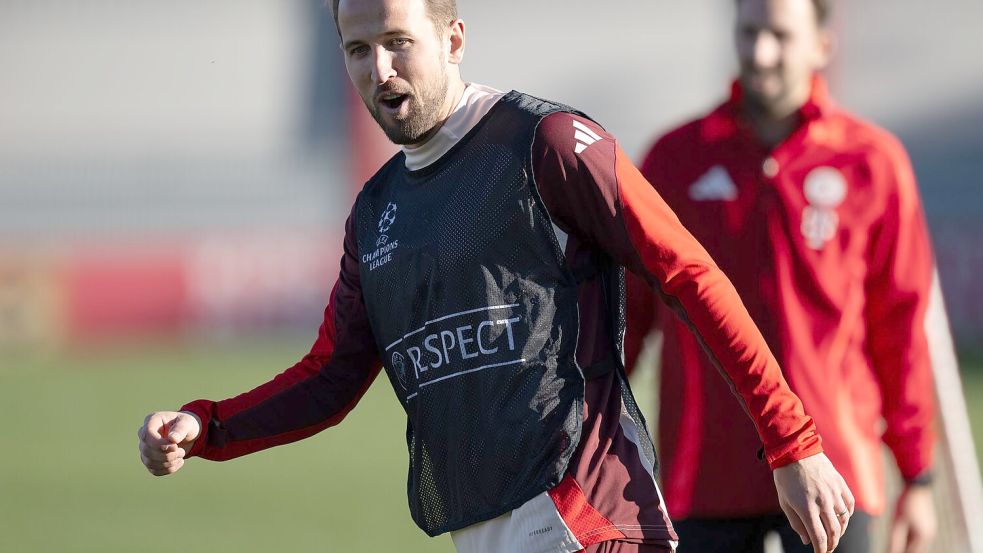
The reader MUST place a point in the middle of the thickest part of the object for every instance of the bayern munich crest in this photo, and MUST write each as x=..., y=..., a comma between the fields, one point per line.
x=825, y=187
x=825, y=190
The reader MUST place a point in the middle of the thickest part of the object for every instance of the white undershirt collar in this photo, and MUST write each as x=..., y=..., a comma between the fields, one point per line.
x=476, y=101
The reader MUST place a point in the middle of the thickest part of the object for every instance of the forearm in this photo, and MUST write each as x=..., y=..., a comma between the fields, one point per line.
x=694, y=287
x=312, y=395
x=298, y=403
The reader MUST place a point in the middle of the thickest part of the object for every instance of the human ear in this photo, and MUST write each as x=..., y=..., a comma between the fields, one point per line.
x=826, y=47
x=456, y=39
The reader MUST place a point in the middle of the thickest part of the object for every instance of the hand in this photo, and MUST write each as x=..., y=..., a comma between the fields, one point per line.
x=914, y=525
x=812, y=493
x=166, y=437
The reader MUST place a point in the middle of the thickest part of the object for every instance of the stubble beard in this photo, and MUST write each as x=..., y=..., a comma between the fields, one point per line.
x=760, y=103
x=424, y=113
x=778, y=105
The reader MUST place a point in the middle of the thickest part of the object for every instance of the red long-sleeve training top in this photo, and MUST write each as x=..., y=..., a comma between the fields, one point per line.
x=824, y=238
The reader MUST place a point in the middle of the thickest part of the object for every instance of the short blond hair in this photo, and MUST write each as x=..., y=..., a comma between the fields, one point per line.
x=441, y=12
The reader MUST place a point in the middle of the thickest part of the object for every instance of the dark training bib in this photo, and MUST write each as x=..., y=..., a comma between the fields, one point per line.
x=475, y=317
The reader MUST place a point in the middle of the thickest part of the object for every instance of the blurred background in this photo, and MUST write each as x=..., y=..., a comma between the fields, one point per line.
x=174, y=179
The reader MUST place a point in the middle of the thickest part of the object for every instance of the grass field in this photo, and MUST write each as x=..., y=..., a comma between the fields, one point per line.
x=71, y=480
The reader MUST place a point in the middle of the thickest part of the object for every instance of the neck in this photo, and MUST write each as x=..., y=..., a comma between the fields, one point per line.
x=771, y=128
x=773, y=122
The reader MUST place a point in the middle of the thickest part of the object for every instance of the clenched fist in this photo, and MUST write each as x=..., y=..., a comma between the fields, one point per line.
x=166, y=437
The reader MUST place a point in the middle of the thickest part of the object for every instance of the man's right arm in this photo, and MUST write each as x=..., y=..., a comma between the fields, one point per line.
x=314, y=394
x=600, y=196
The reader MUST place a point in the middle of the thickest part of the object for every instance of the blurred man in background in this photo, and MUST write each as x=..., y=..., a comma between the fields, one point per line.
x=483, y=269
x=815, y=217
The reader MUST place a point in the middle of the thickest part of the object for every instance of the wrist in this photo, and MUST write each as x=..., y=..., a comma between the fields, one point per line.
x=195, y=416
x=199, y=440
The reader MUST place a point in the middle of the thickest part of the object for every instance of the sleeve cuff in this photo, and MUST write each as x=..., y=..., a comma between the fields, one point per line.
x=795, y=455
x=203, y=410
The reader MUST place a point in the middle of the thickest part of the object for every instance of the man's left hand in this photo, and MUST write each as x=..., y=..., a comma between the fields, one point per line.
x=914, y=525
x=816, y=501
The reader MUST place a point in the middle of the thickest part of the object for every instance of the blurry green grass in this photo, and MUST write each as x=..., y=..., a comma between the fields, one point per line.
x=71, y=480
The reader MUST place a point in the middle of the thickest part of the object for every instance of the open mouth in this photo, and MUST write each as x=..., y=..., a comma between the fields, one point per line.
x=393, y=101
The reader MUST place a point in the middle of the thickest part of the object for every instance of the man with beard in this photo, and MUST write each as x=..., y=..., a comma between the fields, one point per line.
x=482, y=268
x=815, y=217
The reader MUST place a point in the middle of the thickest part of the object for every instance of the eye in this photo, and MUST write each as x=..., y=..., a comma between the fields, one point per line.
x=399, y=42
x=748, y=32
x=358, y=50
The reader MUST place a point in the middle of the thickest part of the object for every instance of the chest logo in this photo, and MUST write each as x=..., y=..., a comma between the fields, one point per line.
x=825, y=189
x=714, y=185
x=388, y=218
x=458, y=345
x=384, y=245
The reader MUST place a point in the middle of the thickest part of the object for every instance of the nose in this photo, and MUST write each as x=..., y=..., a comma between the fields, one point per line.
x=382, y=65
x=765, y=50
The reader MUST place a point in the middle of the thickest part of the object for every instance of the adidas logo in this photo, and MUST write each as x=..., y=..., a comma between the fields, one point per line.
x=584, y=136
x=715, y=184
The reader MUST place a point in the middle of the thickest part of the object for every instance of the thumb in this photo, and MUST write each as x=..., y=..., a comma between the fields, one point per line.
x=156, y=428
x=184, y=428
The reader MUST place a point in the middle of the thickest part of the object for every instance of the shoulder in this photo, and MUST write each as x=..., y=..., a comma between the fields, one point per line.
x=695, y=135
x=684, y=137
x=567, y=131
x=680, y=154
x=568, y=146
x=884, y=156
x=852, y=132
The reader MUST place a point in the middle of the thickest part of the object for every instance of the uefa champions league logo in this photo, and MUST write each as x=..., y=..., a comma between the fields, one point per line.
x=384, y=245
x=388, y=218
x=399, y=367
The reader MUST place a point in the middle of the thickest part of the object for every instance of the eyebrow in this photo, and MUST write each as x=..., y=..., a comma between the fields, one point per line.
x=387, y=34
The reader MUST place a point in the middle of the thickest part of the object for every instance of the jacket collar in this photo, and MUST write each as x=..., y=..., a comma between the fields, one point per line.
x=727, y=119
